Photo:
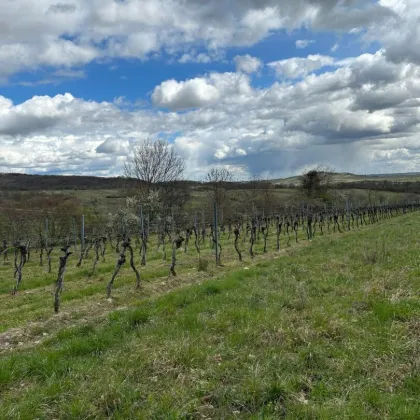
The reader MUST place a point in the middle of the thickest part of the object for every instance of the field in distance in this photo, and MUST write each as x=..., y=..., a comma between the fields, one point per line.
x=109, y=194
x=344, y=177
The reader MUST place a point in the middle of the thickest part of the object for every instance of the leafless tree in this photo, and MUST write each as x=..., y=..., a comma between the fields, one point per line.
x=154, y=162
x=158, y=169
x=217, y=180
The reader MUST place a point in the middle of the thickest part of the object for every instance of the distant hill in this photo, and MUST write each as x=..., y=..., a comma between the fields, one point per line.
x=346, y=177
x=24, y=182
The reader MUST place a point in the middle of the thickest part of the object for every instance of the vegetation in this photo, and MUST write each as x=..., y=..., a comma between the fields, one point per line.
x=325, y=329
x=95, y=196
x=316, y=183
x=25, y=182
x=158, y=169
x=310, y=311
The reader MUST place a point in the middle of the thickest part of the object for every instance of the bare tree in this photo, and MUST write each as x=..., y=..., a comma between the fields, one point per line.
x=155, y=161
x=158, y=168
x=217, y=180
x=259, y=193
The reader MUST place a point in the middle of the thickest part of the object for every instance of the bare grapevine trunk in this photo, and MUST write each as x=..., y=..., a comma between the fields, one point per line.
x=133, y=267
x=49, y=251
x=60, y=277
x=236, y=233
x=278, y=233
x=264, y=231
x=88, y=248
x=120, y=263
x=187, y=239
x=176, y=244
x=20, y=250
x=126, y=245
x=104, y=241
x=97, y=252
x=4, y=251
x=296, y=229
x=252, y=239
x=82, y=252
x=196, y=240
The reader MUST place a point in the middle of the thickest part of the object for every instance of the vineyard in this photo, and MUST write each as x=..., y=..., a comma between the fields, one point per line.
x=275, y=314
x=74, y=266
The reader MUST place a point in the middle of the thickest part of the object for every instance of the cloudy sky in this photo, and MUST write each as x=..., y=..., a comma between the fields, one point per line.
x=268, y=87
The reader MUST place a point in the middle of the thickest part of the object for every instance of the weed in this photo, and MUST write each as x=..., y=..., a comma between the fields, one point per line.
x=203, y=264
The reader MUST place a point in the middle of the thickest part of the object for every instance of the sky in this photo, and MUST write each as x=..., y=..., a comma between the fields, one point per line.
x=260, y=87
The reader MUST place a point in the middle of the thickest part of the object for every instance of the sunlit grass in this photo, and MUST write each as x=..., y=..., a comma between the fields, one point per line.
x=327, y=329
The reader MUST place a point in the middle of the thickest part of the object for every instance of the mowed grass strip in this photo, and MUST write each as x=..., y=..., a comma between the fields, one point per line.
x=329, y=331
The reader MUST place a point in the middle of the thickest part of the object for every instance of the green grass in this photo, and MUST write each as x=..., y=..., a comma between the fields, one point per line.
x=323, y=330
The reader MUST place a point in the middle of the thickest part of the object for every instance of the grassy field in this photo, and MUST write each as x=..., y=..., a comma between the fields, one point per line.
x=324, y=329
x=114, y=200
x=343, y=177
x=110, y=199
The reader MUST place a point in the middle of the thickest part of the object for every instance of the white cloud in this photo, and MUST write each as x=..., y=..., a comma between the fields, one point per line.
x=400, y=33
x=335, y=47
x=202, y=57
x=201, y=91
x=247, y=63
x=191, y=58
x=182, y=95
x=360, y=113
x=303, y=43
x=75, y=32
x=295, y=67
x=361, y=116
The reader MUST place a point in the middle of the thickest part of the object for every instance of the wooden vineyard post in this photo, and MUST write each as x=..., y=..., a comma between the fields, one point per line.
x=143, y=238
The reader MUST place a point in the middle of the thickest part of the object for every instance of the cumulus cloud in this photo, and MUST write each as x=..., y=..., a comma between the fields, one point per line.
x=399, y=33
x=355, y=113
x=76, y=32
x=247, y=63
x=295, y=67
x=199, y=92
x=182, y=95
x=113, y=146
x=362, y=115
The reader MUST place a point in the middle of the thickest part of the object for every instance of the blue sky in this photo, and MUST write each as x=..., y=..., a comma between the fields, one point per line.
x=135, y=79
x=260, y=87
